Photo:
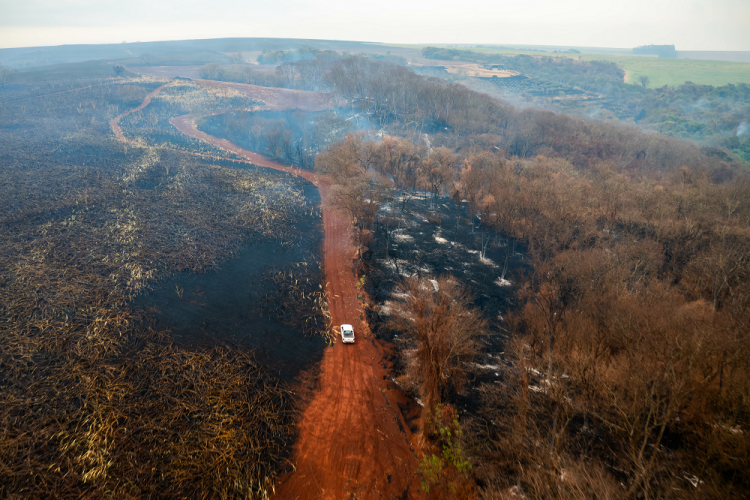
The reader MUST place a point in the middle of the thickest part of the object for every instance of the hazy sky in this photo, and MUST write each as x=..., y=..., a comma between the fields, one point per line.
x=689, y=24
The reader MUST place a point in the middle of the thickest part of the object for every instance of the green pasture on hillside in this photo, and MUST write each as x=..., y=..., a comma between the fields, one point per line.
x=672, y=72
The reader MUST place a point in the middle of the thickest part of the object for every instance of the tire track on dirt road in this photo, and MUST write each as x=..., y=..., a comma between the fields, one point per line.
x=353, y=441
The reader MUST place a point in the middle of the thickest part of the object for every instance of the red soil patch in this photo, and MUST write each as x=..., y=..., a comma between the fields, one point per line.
x=353, y=439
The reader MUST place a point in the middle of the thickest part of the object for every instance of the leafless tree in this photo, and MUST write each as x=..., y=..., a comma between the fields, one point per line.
x=312, y=72
x=148, y=58
x=438, y=317
x=360, y=197
x=5, y=75
x=288, y=72
x=237, y=58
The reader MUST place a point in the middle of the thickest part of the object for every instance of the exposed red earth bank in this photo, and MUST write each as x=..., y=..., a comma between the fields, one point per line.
x=353, y=440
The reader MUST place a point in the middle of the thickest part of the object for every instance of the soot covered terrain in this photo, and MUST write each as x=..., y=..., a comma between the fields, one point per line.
x=415, y=237
x=243, y=300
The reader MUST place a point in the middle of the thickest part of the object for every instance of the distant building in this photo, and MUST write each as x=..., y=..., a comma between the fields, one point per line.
x=497, y=67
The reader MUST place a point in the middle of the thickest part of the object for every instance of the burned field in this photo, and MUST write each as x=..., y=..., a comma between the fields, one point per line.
x=419, y=236
x=267, y=297
x=100, y=395
x=150, y=126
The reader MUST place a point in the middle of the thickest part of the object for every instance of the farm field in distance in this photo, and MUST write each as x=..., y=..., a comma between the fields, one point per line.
x=673, y=72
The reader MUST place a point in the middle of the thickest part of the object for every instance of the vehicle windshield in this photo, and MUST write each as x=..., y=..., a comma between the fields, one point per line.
x=348, y=334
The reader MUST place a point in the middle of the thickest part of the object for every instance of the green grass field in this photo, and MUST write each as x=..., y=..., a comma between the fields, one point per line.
x=674, y=72
x=660, y=71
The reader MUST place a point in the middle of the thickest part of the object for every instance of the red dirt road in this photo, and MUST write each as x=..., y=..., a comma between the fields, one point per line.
x=353, y=440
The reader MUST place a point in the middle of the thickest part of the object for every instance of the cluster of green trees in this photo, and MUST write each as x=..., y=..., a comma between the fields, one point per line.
x=703, y=113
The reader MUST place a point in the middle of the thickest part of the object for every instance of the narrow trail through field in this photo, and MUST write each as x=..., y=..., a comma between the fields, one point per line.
x=114, y=123
x=353, y=439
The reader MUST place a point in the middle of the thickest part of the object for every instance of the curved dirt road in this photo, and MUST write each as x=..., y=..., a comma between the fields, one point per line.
x=353, y=440
x=114, y=123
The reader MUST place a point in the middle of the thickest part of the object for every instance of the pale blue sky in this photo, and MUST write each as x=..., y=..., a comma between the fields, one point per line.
x=690, y=25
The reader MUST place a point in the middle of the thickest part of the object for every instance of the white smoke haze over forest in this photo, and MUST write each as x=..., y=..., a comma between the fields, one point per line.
x=720, y=25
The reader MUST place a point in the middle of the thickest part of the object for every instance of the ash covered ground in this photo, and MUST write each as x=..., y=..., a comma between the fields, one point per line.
x=249, y=298
x=415, y=235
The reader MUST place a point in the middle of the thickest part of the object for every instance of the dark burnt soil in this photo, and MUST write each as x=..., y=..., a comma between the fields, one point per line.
x=426, y=239
x=238, y=302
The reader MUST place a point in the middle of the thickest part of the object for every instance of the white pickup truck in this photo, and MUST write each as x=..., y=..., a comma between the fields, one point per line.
x=347, y=334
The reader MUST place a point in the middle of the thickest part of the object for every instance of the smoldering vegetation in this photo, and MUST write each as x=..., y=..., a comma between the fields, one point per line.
x=293, y=137
x=97, y=399
x=623, y=369
x=710, y=116
x=304, y=68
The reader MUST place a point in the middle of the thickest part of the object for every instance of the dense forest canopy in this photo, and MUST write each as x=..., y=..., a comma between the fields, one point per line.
x=631, y=326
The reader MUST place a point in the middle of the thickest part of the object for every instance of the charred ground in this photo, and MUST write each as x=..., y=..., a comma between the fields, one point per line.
x=92, y=382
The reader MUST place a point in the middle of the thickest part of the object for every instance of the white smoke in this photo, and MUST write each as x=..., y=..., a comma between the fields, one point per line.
x=743, y=128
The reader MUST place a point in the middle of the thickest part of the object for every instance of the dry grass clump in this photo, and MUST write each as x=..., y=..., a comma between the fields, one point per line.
x=300, y=300
x=200, y=99
x=161, y=420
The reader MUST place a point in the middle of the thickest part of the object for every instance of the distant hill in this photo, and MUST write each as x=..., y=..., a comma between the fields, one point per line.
x=715, y=55
x=178, y=52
